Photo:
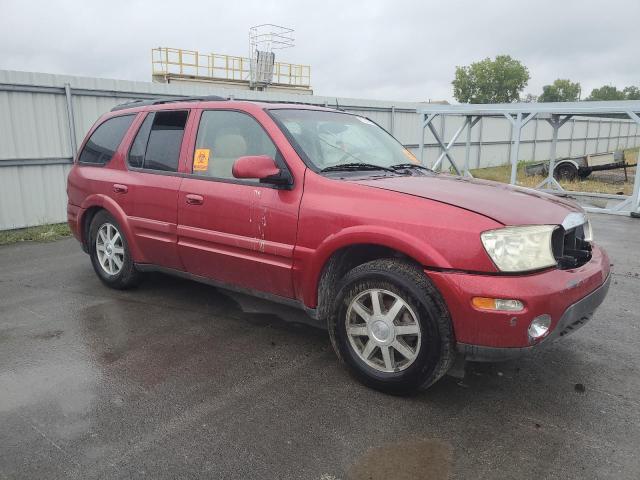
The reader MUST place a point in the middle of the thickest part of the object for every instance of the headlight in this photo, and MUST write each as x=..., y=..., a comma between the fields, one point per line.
x=520, y=249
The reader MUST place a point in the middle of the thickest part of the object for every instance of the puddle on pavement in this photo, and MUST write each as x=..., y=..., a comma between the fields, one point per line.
x=421, y=459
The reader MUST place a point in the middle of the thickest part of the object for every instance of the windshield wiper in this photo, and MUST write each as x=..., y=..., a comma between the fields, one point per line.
x=355, y=166
x=402, y=166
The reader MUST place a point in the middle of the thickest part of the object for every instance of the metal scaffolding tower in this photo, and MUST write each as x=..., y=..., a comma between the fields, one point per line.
x=263, y=40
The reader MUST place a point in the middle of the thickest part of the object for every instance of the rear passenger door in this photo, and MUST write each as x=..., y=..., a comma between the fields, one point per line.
x=238, y=232
x=152, y=187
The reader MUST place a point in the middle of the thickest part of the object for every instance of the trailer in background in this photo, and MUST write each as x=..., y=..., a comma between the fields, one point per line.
x=572, y=168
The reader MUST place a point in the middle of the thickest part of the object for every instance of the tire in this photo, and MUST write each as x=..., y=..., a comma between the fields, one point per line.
x=116, y=269
x=565, y=171
x=432, y=348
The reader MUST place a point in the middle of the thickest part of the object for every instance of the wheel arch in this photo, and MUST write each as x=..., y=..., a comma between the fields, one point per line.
x=564, y=162
x=339, y=255
x=95, y=203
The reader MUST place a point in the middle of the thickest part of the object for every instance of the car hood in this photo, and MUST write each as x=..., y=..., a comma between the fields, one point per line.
x=507, y=204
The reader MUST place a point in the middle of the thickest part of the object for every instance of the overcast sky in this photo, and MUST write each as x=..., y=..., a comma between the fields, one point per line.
x=390, y=50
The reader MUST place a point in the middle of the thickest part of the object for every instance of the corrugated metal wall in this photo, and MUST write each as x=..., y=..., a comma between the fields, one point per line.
x=36, y=114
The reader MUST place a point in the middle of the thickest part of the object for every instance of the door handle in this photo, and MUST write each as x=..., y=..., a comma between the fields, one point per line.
x=119, y=188
x=193, y=199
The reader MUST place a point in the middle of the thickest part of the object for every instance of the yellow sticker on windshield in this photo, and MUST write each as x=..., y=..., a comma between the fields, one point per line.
x=201, y=160
x=412, y=158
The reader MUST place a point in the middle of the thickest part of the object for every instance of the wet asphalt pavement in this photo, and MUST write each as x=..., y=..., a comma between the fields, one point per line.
x=176, y=380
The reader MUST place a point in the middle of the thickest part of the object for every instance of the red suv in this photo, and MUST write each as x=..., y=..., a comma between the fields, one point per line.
x=325, y=210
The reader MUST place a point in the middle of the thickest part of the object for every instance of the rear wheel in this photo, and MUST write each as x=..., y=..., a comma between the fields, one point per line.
x=110, y=254
x=391, y=327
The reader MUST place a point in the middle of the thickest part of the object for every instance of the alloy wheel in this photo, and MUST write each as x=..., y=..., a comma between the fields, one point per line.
x=110, y=249
x=383, y=330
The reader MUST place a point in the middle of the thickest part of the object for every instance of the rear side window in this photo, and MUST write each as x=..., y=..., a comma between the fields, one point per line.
x=104, y=141
x=139, y=145
x=157, y=144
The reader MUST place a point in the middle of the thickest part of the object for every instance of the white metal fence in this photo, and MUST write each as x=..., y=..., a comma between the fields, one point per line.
x=43, y=118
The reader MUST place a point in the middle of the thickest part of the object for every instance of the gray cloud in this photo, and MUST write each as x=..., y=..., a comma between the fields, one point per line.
x=401, y=50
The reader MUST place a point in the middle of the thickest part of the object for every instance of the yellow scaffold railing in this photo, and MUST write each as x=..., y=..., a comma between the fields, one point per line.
x=190, y=63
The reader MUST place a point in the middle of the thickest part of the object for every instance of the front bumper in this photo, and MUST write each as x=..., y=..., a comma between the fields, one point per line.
x=565, y=295
x=573, y=318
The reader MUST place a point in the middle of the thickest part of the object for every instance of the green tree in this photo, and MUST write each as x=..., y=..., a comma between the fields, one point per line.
x=607, y=92
x=561, y=90
x=490, y=81
x=631, y=93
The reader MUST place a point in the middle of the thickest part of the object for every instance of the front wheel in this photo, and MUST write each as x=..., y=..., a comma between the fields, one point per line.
x=110, y=253
x=391, y=327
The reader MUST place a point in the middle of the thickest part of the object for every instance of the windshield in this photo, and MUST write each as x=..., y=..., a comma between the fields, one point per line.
x=333, y=139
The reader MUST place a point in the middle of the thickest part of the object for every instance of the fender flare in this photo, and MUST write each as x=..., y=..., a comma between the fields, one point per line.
x=314, y=261
x=572, y=162
x=110, y=205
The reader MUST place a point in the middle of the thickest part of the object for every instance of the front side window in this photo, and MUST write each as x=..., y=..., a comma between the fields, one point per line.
x=105, y=140
x=223, y=137
x=158, y=141
x=330, y=139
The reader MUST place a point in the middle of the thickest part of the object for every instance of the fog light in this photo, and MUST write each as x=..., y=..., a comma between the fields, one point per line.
x=539, y=327
x=501, y=304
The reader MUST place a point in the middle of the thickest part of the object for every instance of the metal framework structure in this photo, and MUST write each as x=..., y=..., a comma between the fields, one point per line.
x=519, y=114
x=263, y=40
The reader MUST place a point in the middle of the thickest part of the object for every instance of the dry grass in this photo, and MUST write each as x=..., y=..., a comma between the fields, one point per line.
x=611, y=181
x=44, y=233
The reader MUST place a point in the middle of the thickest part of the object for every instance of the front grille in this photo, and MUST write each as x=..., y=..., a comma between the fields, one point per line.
x=570, y=248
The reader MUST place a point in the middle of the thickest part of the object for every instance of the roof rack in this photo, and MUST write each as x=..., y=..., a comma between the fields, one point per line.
x=159, y=101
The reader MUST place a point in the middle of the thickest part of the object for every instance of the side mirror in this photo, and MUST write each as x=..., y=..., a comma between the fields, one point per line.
x=262, y=167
